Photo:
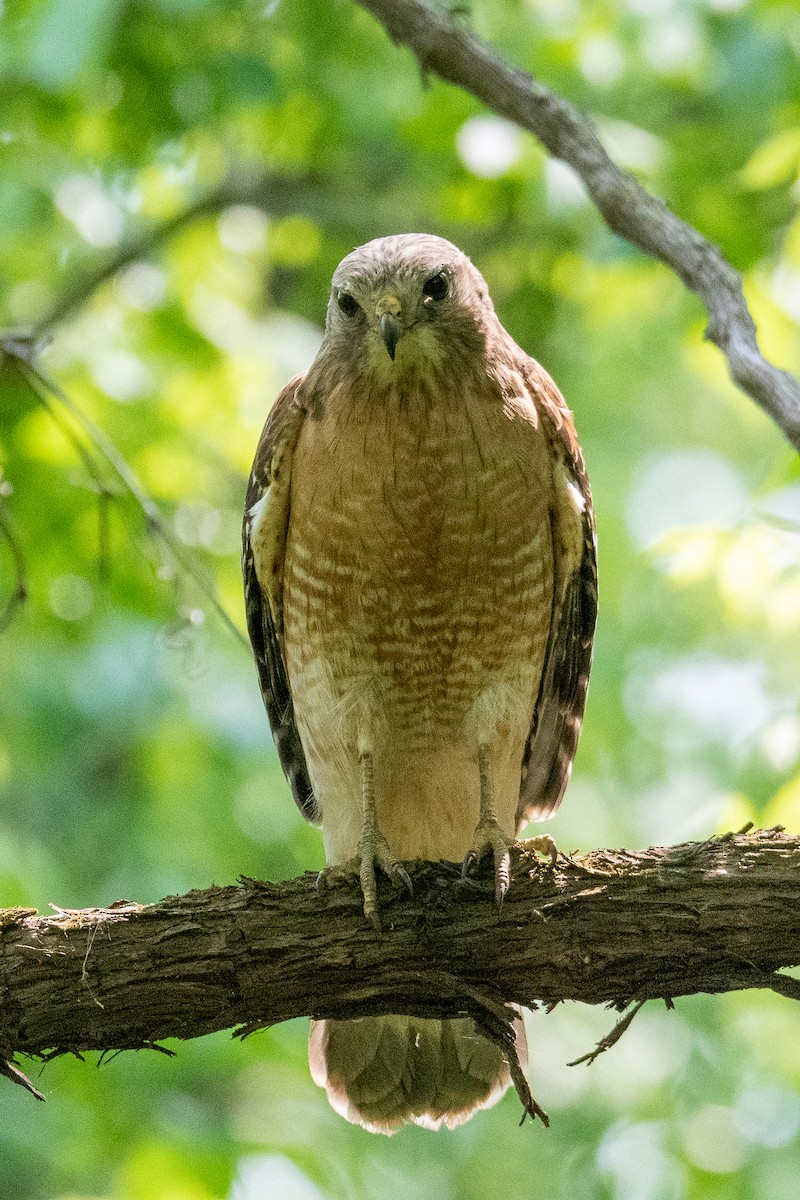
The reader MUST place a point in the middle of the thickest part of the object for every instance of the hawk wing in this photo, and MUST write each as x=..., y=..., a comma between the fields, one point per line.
x=266, y=522
x=557, y=716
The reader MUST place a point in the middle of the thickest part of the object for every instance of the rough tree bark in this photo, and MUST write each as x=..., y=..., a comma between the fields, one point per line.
x=612, y=927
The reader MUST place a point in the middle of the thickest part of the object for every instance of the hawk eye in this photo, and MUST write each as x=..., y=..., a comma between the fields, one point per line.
x=347, y=303
x=437, y=287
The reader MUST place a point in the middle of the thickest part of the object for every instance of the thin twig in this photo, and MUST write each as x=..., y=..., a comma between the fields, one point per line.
x=19, y=592
x=92, y=465
x=152, y=516
x=12, y=1072
x=241, y=190
x=611, y=1038
x=45, y=388
x=104, y=498
x=445, y=48
x=22, y=351
x=496, y=1022
x=84, y=966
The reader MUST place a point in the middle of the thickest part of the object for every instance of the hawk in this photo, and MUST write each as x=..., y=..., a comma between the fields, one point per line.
x=420, y=589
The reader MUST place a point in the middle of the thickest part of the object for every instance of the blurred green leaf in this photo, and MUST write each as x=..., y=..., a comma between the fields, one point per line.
x=70, y=38
x=777, y=160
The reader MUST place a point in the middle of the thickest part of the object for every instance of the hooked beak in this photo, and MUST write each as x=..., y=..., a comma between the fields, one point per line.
x=391, y=332
x=392, y=329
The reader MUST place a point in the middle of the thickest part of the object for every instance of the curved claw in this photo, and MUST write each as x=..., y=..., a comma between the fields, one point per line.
x=372, y=913
x=403, y=876
x=468, y=866
x=374, y=854
x=489, y=836
x=502, y=874
x=363, y=868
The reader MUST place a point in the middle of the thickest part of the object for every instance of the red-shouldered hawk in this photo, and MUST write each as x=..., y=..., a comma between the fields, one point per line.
x=420, y=585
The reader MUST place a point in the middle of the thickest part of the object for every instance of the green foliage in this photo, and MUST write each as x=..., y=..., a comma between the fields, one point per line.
x=134, y=756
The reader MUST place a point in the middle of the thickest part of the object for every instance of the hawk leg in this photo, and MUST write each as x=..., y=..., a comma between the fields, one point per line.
x=489, y=836
x=373, y=849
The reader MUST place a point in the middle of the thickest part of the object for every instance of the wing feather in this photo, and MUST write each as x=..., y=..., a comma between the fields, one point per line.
x=558, y=713
x=264, y=532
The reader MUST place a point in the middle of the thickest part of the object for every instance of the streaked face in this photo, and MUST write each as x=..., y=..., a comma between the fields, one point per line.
x=400, y=300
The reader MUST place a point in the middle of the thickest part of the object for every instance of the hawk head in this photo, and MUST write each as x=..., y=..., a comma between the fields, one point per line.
x=403, y=301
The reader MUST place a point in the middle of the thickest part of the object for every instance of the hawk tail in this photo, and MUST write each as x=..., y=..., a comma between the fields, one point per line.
x=384, y=1072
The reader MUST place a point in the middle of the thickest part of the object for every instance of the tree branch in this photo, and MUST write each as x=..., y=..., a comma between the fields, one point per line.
x=612, y=927
x=445, y=49
x=276, y=193
x=8, y=533
x=19, y=354
x=311, y=193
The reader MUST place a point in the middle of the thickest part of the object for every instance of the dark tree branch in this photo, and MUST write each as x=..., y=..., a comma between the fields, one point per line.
x=444, y=48
x=613, y=927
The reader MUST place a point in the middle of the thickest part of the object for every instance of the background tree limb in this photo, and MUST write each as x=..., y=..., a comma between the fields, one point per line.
x=275, y=193
x=612, y=927
x=444, y=48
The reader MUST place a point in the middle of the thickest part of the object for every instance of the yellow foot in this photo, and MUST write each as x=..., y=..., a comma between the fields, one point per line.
x=363, y=866
x=489, y=836
x=376, y=853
